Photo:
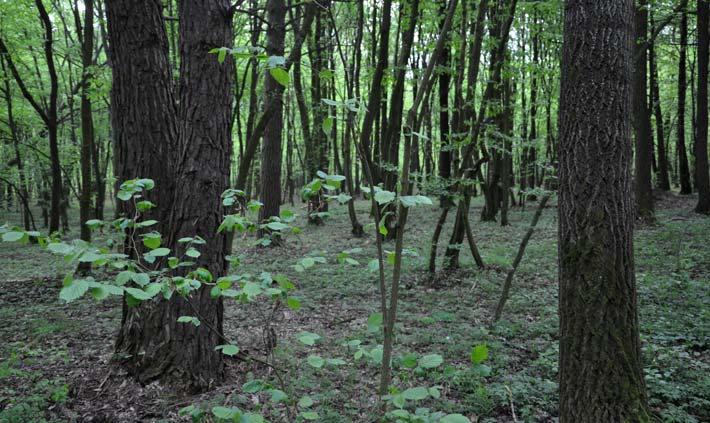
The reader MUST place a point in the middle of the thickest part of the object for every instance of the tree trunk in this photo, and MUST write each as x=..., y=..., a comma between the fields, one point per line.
x=601, y=377
x=87, y=121
x=273, y=91
x=683, y=168
x=642, y=118
x=445, y=150
x=701, y=139
x=662, y=180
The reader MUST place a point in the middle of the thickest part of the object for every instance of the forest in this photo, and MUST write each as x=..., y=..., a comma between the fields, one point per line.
x=425, y=211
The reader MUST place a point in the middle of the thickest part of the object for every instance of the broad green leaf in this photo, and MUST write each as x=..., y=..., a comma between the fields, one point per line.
x=315, y=361
x=225, y=413
x=430, y=361
x=305, y=402
x=308, y=338
x=276, y=226
x=12, y=236
x=310, y=415
x=278, y=395
x=253, y=386
x=416, y=394
x=374, y=322
x=73, y=289
x=384, y=197
x=454, y=418
x=280, y=75
x=189, y=319
x=160, y=252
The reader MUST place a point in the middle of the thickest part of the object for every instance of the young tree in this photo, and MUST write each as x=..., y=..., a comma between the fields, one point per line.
x=662, y=180
x=701, y=139
x=642, y=118
x=683, y=167
x=601, y=376
x=273, y=89
x=87, y=120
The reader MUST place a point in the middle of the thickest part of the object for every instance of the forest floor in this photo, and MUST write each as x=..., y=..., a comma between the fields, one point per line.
x=55, y=358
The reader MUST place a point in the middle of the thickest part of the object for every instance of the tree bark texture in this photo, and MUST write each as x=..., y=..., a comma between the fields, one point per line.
x=601, y=377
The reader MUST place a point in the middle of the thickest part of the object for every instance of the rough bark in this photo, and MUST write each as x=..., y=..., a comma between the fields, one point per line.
x=601, y=377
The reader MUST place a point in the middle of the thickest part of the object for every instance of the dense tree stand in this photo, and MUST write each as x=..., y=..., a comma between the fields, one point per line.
x=601, y=378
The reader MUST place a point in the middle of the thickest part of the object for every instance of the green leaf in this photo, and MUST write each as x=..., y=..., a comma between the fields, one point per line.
x=454, y=418
x=409, y=360
x=144, y=206
x=276, y=226
x=416, y=394
x=384, y=197
x=305, y=402
x=253, y=386
x=308, y=338
x=430, y=361
x=229, y=349
x=479, y=354
x=280, y=75
x=12, y=236
x=434, y=392
x=73, y=289
x=225, y=413
x=315, y=361
x=293, y=303
x=327, y=125
x=374, y=322
x=413, y=200
x=189, y=319
x=60, y=248
x=94, y=223
x=278, y=395
x=192, y=252
x=310, y=415
x=159, y=252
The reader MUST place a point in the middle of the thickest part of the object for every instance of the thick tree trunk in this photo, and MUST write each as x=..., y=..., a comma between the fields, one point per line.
x=683, y=168
x=701, y=139
x=642, y=119
x=151, y=343
x=601, y=377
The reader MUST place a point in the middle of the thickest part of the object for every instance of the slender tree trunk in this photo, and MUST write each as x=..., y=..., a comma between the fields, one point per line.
x=701, y=139
x=445, y=151
x=87, y=121
x=601, y=377
x=683, y=168
x=642, y=118
x=662, y=180
x=273, y=91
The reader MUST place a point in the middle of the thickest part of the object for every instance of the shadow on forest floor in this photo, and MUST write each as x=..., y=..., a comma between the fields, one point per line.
x=54, y=358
